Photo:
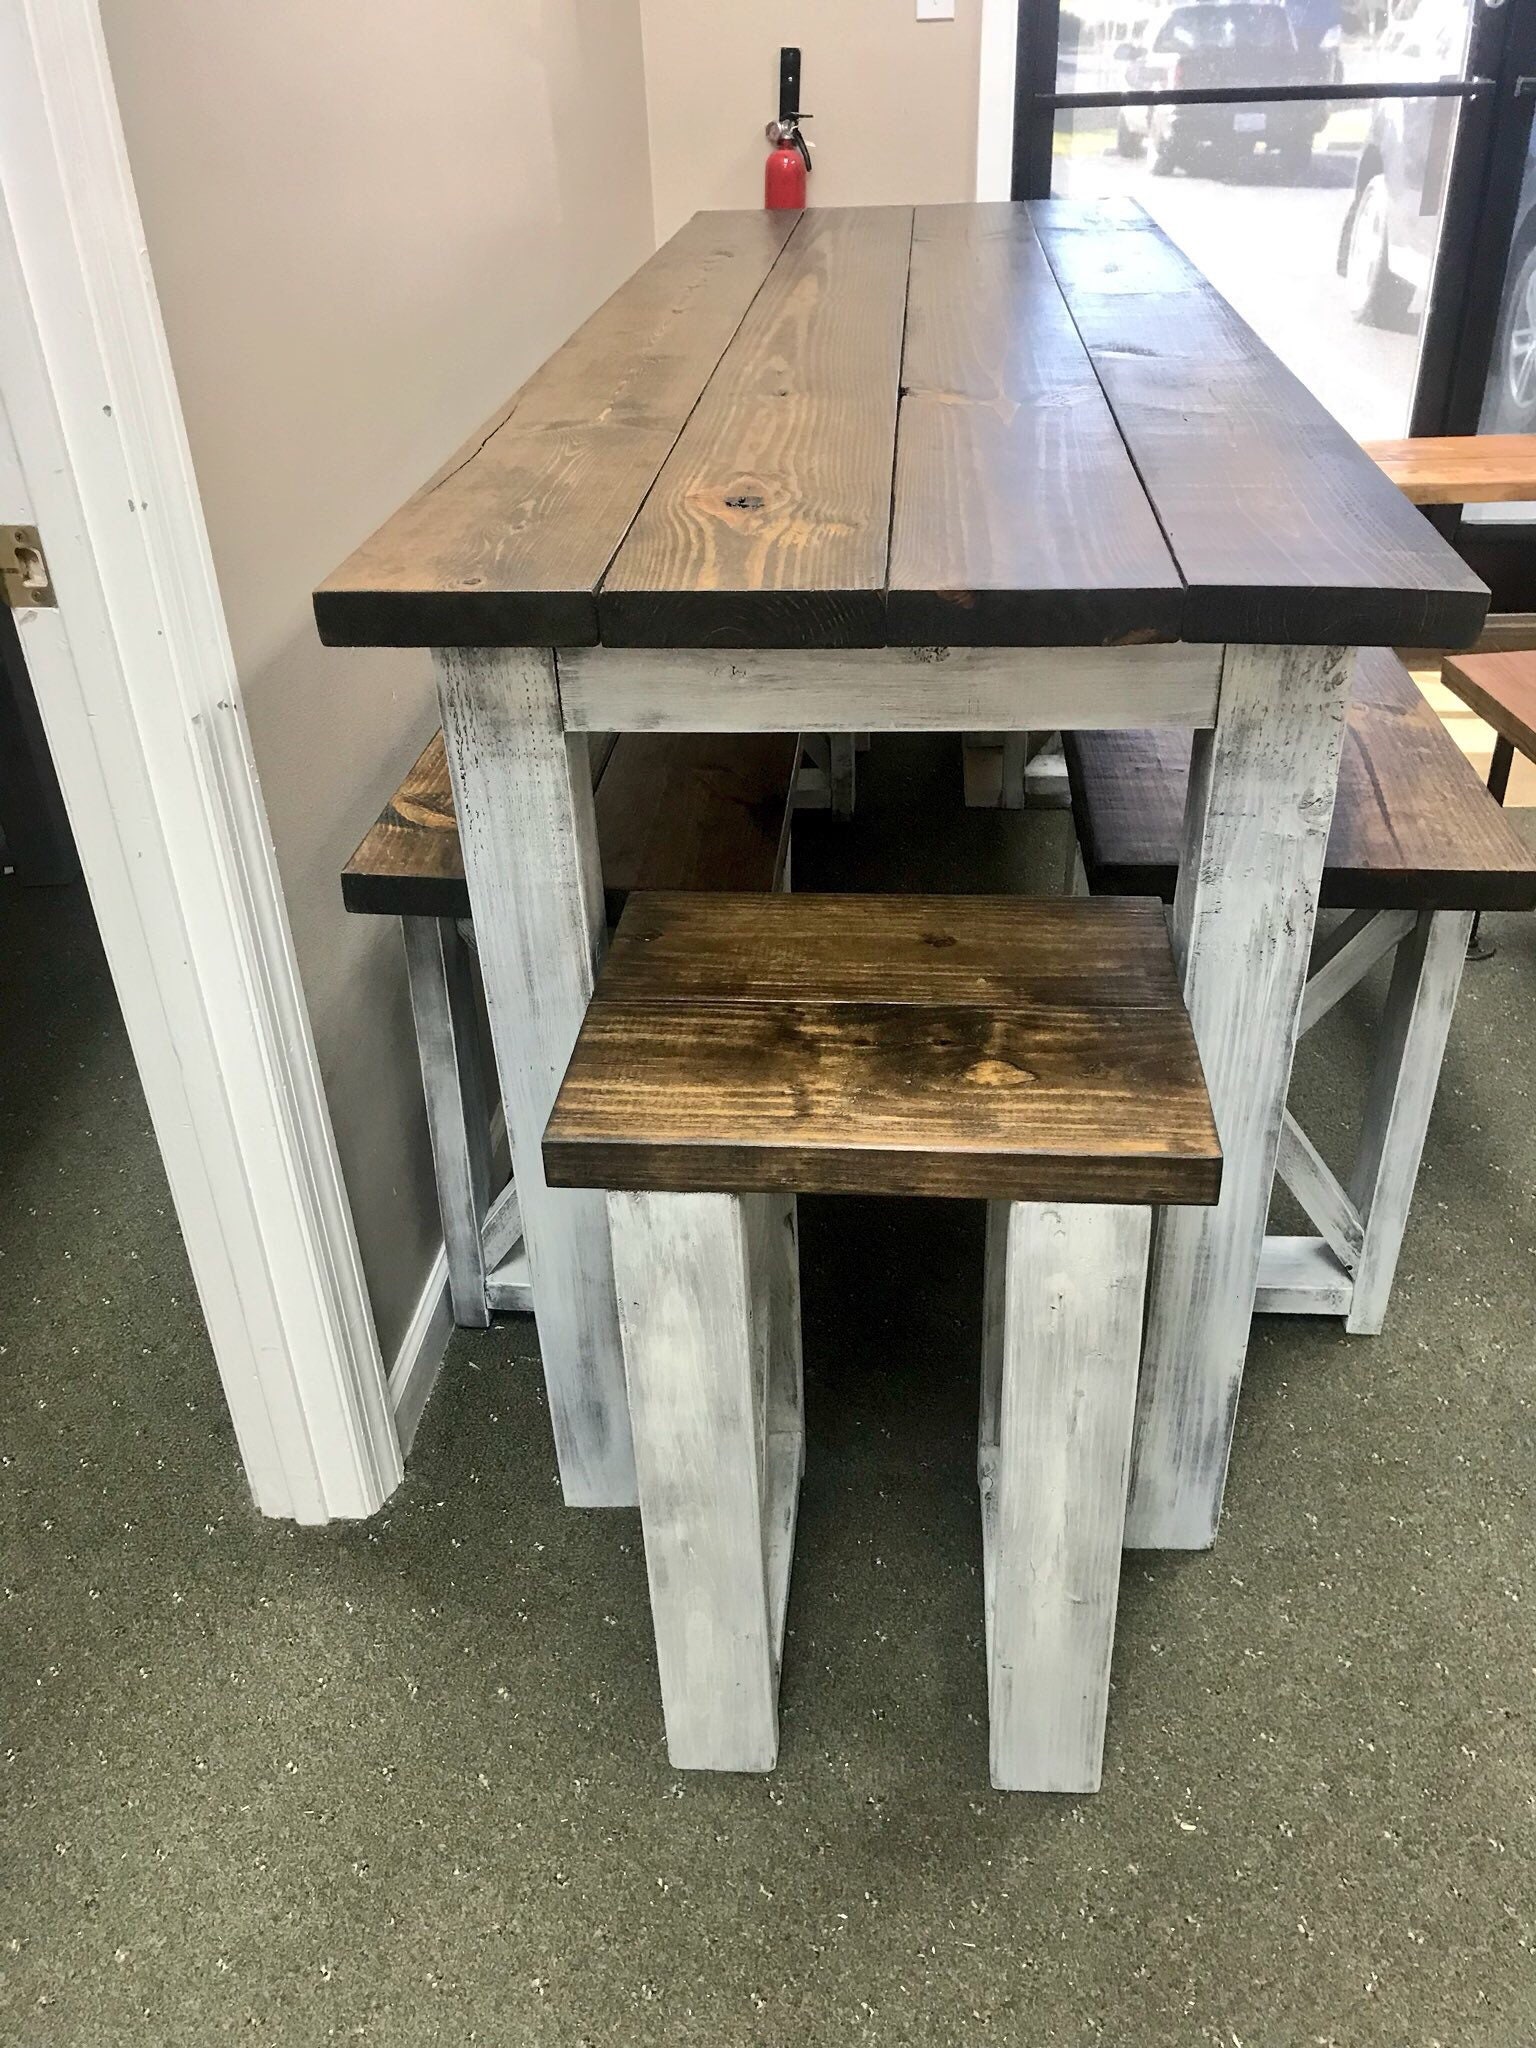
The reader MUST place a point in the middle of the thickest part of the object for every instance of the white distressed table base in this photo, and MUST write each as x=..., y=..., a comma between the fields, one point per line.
x=523, y=796
x=708, y=1289
x=1062, y=1338
x=1261, y=799
x=1261, y=793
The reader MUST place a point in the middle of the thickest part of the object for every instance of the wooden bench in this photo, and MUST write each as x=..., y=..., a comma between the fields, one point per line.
x=1417, y=848
x=704, y=811
x=1460, y=469
x=737, y=1051
x=1501, y=689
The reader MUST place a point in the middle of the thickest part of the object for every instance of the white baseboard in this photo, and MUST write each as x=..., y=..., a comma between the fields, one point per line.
x=414, y=1372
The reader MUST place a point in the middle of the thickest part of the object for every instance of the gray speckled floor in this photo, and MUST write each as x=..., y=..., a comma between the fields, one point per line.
x=404, y=1783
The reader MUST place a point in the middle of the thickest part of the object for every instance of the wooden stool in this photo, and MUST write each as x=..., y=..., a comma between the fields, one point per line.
x=739, y=1049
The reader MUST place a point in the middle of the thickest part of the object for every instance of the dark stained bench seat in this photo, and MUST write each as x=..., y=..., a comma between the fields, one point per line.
x=1417, y=847
x=674, y=811
x=1413, y=827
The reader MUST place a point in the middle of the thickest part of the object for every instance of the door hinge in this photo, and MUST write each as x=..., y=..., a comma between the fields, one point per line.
x=24, y=574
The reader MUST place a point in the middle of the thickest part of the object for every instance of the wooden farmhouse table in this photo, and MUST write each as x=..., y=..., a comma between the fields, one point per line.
x=957, y=468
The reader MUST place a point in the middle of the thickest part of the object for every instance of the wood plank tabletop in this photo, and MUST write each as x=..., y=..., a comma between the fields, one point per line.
x=996, y=425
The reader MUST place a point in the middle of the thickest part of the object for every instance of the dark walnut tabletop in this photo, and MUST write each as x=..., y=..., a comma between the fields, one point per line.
x=988, y=425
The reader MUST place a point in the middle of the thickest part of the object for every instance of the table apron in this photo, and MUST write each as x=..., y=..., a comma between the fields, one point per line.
x=888, y=689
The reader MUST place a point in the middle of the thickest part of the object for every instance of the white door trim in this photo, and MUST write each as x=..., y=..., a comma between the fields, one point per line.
x=994, y=101
x=137, y=688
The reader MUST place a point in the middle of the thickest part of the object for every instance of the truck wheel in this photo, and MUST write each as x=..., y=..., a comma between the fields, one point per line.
x=1516, y=359
x=1163, y=156
x=1370, y=288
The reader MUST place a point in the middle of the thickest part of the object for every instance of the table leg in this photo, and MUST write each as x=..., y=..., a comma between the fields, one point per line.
x=523, y=793
x=1255, y=833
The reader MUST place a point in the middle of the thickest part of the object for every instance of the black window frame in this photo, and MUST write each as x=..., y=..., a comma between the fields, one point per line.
x=1462, y=319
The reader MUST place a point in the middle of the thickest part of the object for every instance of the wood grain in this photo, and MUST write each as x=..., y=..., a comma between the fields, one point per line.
x=945, y=952
x=409, y=863
x=1460, y=469
x=691, y=811
x=1500, y=688
x=770, y=521
x=674, y=811
x=1004, y=1051
x=506, y=545
x=1413, y=828
x=1018, y=515
x=715, y=459
x=1283, y=528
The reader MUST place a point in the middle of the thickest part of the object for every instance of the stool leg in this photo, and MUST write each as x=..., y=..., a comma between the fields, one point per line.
x=994, y=1304
x=709, y=1308
x=1053, y=1493
x=1499, y=768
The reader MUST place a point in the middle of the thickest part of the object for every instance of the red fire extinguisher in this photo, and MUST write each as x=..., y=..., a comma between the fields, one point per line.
x=789, y=158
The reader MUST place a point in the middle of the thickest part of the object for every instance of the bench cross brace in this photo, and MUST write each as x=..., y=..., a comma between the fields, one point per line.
x=1348, y=1268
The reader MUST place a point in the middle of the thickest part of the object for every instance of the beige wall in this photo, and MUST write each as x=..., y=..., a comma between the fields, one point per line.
x=368, y=221
x=893, y=100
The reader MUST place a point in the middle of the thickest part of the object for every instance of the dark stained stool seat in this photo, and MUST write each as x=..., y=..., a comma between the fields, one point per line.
x=740, y=1049
x=1417, y=847
x=1002, y=1047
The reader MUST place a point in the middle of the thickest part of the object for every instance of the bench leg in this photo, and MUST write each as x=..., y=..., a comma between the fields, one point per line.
x=1015, y=760
x=1499, y=768
x=993, y=765
x=458, y=1103
x=843, y=771
x=1426, y=976
x=1054, y=1485
x=1261, y=793
x=709, y=1298
x=523, y=793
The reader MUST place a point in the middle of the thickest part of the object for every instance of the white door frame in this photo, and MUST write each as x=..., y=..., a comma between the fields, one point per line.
x=994, y=98
x=138, y=694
